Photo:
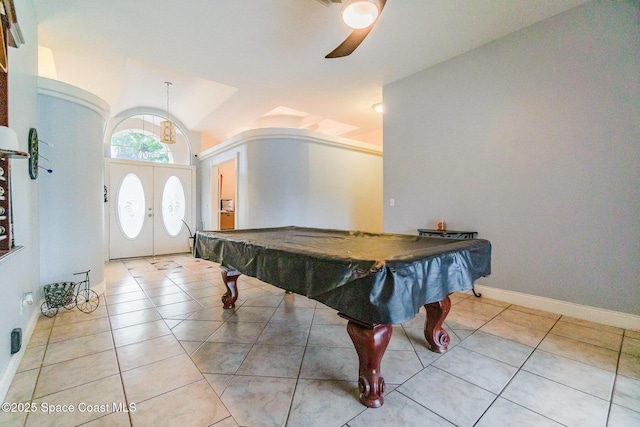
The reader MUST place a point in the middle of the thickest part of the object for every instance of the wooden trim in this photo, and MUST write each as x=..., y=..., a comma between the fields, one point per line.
x=13, y=34
x=4, y=99
x=10, y=11
x=5, y=202
x=6, y=243
x=4, y=25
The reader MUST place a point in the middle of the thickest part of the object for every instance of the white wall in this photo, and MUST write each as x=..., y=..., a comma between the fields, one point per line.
x=19, y=273
x=303, y=178
x=534, y=142
x=72, y=121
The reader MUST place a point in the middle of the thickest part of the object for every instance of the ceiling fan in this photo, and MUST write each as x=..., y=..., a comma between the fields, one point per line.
x=361, y=15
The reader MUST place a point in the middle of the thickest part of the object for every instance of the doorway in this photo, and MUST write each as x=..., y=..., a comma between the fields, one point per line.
x=151, y=209
x=225, y=198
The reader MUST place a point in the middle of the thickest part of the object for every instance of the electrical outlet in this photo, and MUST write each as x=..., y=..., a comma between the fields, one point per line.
x=392, y=202
x=27, y=299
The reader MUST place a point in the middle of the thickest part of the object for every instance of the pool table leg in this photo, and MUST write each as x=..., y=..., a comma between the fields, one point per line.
x=370, y=343
x=230, y=279
x=436, y=336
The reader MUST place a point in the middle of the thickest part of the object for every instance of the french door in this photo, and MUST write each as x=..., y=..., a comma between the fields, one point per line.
x=148, y=208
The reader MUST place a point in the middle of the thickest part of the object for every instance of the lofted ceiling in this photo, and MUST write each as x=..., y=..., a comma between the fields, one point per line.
x=240, y=64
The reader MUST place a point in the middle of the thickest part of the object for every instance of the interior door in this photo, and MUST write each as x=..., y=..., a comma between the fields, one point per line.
x=130, y=211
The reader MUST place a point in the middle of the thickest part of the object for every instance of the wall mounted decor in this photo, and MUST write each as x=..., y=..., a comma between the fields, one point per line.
x=33, y=153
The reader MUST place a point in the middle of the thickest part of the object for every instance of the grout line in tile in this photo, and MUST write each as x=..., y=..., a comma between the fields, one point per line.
x=133, y=269
x=615, y=381
x=124, y=390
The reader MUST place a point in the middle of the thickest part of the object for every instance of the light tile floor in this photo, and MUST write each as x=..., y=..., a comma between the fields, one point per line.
x=161, y=345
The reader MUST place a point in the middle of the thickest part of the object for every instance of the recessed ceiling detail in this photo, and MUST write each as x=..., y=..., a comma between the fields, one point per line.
x=285, y=117
x=230, y=65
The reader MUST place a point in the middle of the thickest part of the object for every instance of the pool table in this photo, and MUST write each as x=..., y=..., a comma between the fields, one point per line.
x=372, y=280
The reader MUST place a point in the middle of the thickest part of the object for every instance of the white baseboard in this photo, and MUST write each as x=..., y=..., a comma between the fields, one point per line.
x=14, y=361
x=593, y=314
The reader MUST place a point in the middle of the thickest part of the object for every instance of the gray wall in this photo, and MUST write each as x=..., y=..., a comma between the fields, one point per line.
x=295, y=182
x=72, y=198
x=298, y=177
x=533, y=141
x=20, y=272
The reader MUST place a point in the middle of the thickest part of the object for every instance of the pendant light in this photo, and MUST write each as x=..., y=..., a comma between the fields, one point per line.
x=167, y=127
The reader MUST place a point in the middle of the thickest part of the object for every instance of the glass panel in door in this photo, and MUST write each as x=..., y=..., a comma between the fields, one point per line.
x=173, y=206
x=173, y=195
x=130, y=211
x=131, y=206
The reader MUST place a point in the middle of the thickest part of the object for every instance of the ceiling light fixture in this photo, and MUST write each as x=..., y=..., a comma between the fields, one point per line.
x=360, y=14
x=378, y=107
x=167, y=127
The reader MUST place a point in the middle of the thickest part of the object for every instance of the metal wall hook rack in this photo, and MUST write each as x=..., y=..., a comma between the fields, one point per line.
x=45, y=142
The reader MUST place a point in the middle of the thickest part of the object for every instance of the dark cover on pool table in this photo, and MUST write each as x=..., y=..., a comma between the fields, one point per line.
x=374, y=278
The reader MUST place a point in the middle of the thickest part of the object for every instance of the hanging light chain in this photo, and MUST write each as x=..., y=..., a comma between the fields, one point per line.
x=168, y=86
x=167, y=126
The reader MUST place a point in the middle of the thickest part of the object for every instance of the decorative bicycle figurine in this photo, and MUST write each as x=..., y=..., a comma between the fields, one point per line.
x=69, y=295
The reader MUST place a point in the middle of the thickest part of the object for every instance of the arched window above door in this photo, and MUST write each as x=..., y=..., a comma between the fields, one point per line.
x=138, y=138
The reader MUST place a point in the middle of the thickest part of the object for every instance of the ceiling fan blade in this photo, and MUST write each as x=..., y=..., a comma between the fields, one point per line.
x=350, y=43
x=354, y=39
